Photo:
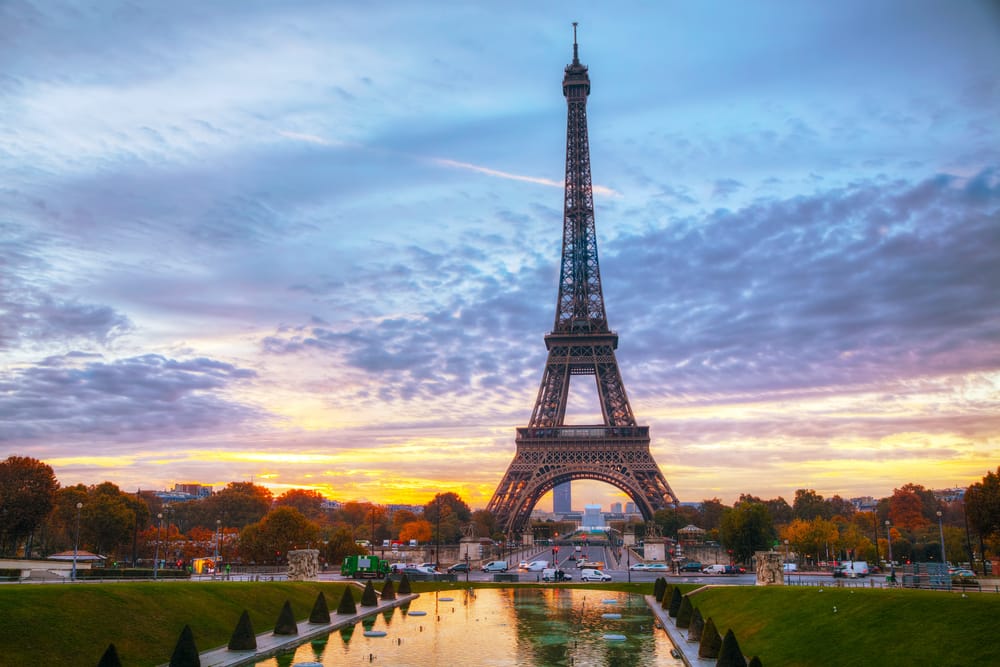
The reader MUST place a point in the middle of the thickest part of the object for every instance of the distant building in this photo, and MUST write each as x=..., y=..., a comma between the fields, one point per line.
x=949, y=495
x=616, y=508
x=630, y=508
x=864, y=504
x=194, y=490
x=592, y=517
x=562, y=499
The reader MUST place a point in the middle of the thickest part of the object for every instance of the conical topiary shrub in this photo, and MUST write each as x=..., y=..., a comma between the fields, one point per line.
x=675, y=603
x=110, y=657
x=388, y=591
x=369, y=598
x=404, y=585
x=185, y=652
x=730, y=654
x=320, y=612
x=658, y=587
x=243, y=638
x=668, y=593
x=755, y=662
x=684, y=613
x=696, y=626
x=711, y=642
x=347, y=604
x=286, y=624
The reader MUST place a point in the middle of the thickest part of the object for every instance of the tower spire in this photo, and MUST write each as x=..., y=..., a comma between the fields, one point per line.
x=576, y=52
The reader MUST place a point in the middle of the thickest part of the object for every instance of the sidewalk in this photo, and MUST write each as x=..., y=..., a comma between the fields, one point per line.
x=688, y=650
x=269, y=644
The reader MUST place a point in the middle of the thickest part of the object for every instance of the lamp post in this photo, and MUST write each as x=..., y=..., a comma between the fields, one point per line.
x=76, y=540
x=784, y=566
x=156, y=553
x=892, y=565
x=944, y=561
x=215, y=563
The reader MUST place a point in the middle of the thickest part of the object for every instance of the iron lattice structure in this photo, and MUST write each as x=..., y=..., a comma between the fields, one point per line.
x=549, y=452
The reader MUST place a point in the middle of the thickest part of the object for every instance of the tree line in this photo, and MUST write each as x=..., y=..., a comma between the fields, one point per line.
x=246, y=523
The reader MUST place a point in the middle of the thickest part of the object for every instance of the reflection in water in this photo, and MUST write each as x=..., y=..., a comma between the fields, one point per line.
x=504, y=627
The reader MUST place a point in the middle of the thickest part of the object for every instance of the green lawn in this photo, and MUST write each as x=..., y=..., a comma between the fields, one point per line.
x=798, y=626
x=73, y=624
x=61, y=624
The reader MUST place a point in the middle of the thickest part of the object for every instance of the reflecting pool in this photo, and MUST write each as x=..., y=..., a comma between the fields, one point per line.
x=496, y=627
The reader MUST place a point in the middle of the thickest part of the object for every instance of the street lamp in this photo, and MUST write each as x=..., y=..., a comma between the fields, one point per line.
x=784, y=566
x=944, y=561
x=76, y=540
x=156, y=554
x=892, y=565
x=215, y=563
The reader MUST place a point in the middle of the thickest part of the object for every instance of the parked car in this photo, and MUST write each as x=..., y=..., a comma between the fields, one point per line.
x=656, y=567
x=717, y=568
x=732, y=569
x=693, y=566
x=590, y=574
x=458, y=567
x=554, y=574
x=638, y=566
x=495, y=566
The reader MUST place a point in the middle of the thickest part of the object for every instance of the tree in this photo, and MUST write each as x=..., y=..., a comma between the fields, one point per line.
x=908, y=507
x=239, y=504
x=27, y=495
x=281, y=530
x=416, y=530
x=745, y=529
x=448, y=512
x=710, y=514
x=779, y=509
x=808, y=505
x=108, y=518
x=341, y=544
x=308, y=503
x=982, y=505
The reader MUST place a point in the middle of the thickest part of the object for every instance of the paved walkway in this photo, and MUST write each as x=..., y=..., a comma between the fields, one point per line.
x=688, y=650
x=269, y=644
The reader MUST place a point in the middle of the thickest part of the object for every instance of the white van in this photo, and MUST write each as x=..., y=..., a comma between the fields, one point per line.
x=537, y=565
x=593, y=575
x=495, y=566
x=714, y=569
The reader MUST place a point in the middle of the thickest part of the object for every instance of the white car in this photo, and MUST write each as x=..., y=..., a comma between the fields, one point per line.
x=638, y=566
x=537, y=565
x=657, y=567
x=593, y=575
x=523, y=565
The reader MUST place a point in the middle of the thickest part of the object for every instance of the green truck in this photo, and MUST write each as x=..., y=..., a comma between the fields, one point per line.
x=364, y=567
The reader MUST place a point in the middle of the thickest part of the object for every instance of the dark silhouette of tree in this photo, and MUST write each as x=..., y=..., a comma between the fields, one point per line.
x=745, y=529
x=809, y=505
x=982, y=504
x=278, y=532
x=27, y=495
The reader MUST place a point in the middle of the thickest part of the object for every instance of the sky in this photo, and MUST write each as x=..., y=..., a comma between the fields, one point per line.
x=316, y=244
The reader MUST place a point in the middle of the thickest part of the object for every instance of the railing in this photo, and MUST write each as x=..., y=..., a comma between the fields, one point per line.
x=583, y=432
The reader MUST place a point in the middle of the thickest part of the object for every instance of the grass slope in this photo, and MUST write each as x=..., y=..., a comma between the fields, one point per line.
x=73, y=624
x=796, y=626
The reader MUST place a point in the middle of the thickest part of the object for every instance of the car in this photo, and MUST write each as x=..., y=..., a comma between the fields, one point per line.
x=637, y=567
x=717, y=568
x=590, y=574
x=571, y=557
x=495, y=566
x=962, y=572
x=458, y=567
x=657, y=567
x=553, y=574
x=537, y=565
x=693, y=566
x=523, y=565
x=839, y=571
x=732, y=569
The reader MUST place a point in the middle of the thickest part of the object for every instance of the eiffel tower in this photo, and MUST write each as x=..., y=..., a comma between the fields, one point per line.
x=548, y=451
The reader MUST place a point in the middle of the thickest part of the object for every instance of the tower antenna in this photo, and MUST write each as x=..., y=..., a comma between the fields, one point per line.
x=576, y=53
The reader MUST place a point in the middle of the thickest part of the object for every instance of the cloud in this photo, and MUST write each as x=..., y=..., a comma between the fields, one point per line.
x=80, y=397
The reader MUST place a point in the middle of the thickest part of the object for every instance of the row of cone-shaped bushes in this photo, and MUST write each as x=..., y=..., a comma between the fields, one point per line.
x=244, y=639
x=725, y=649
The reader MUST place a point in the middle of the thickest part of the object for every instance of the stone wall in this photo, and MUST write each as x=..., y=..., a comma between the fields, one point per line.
x=303, y=564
